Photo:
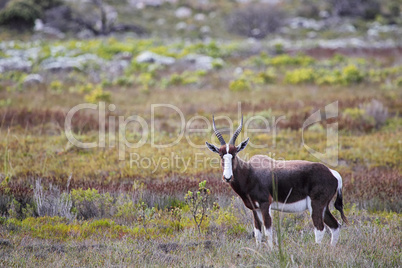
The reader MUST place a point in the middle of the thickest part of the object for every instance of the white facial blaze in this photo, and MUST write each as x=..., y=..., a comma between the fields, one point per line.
x=227, y=164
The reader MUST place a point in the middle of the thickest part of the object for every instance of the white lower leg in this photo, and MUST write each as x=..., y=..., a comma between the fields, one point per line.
x=258, y=236
x=268, y=234
x=335, y=235
x=319, y=235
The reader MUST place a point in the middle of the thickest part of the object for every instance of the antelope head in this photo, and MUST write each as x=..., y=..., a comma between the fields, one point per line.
x=227, y=151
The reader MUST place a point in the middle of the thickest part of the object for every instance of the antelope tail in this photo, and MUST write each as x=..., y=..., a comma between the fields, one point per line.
x=339, y=201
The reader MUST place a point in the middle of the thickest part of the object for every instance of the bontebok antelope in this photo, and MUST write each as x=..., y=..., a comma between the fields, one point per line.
x=289, y=186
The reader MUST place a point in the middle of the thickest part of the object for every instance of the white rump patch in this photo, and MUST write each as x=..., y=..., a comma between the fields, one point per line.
x=294, y=207
x=338, y=177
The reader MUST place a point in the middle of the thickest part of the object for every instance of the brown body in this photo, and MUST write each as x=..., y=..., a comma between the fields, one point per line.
x=256, y=180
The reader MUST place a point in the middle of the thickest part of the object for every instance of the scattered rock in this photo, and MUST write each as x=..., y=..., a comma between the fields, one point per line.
x=33, y=79
x=160, y=21
x=238, y=71
x=70, y=63
x=60, y=18
x=305, y=23
x=205, y=29
x=183, y=12
x=199, y=17
x=126, y=56
x=117, y=65
x=181, y=26
x=200, y=62
x=85, y=34
x=372, y=33
x=312, y=34
x=150, y=57
x=115, y=68
x=47, y=30
x=146, y=3
x=15, y=64
x=323, y=14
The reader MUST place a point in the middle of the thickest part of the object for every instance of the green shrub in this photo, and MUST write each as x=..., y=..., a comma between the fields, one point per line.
x=358, y=119
x=352, y=74
x=398, y=81
x=126, y=208
x=337, y=59
x=56, y=86
x=286, y=59
x=267, y=77
x=198, y=203
x=211, y=49
x=90, y=203
x=19, y=211
x=279, y=48
x=3, y=220
x=330, y=78
x=86, y=88
x=125, y=81
x=5, y=102
x=354, y=113
x=111, y=47
x=23, y=13
x=146, y=80
x=184, y=78
x=240, y=84
x=218, y=64
x=282, y=60
x=20, y=13
x=236, y=229
x=300, y=76
x=97, y=94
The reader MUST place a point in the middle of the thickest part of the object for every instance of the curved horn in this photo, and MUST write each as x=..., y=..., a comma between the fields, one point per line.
x=238, y=130
x=219, y=135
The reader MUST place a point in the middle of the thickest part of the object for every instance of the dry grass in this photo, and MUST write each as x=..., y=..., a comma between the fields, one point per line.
x=365, y=243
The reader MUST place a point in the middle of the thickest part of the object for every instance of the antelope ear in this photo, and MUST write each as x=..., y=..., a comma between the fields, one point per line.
x=212, y=147
x=242, y=145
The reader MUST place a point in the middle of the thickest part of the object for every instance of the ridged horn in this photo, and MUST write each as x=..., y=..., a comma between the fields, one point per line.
x=238, y=130
x=219, y=135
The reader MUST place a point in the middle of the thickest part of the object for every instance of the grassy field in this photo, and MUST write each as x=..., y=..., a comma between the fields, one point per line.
x=61, y=205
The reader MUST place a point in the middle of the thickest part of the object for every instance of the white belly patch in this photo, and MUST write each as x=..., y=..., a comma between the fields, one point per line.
x=298, y=206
